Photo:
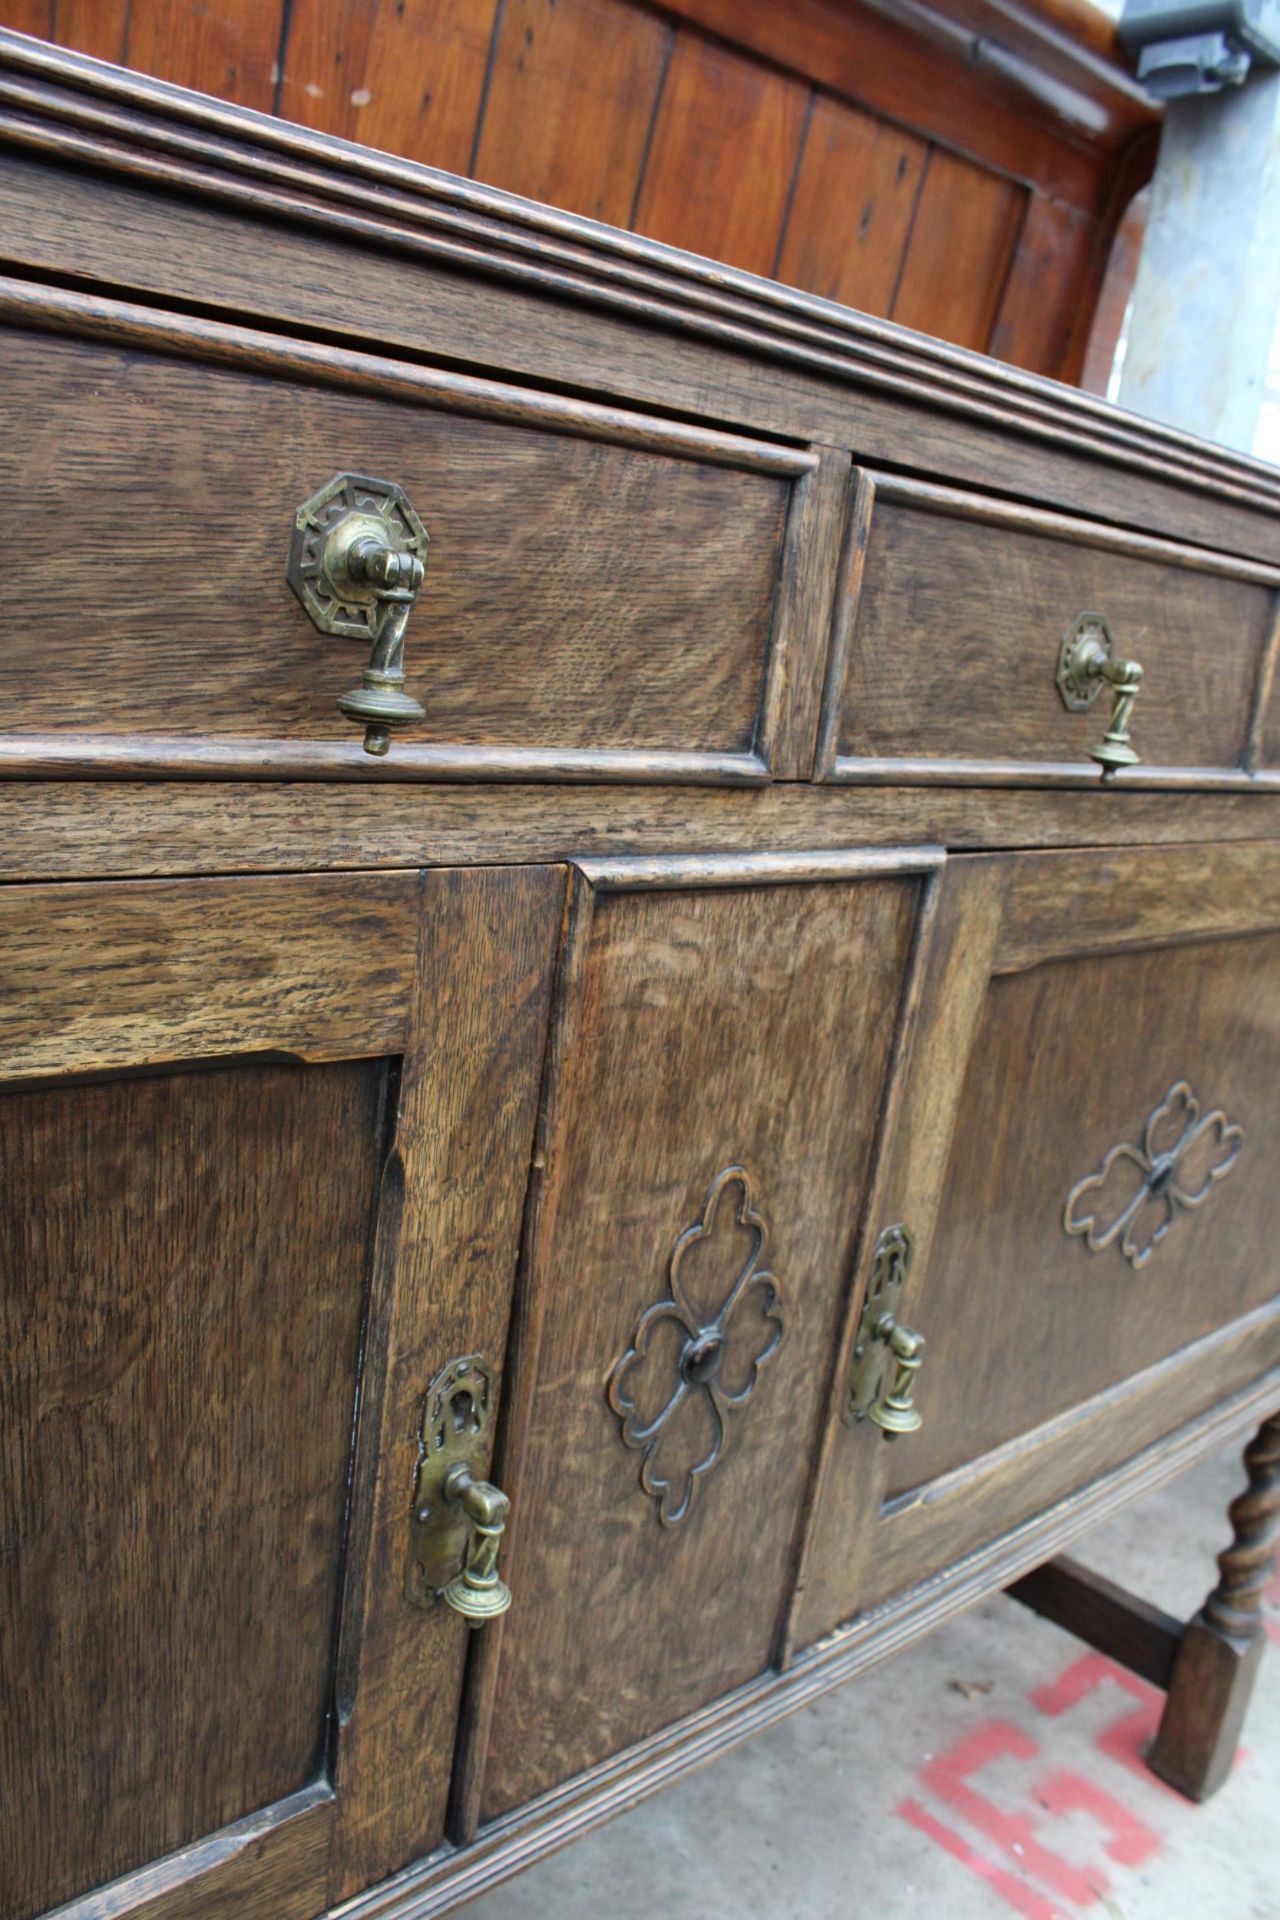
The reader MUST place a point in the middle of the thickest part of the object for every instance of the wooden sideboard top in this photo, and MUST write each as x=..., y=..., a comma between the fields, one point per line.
x=840, y=145
x=452, y=270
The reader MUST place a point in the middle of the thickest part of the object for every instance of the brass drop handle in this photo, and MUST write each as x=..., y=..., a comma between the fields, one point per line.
x=479, y=1592
x=457, y=1518
x=895, y=1412
x=1086, y=664
x=887, y=1355
x=357, y=563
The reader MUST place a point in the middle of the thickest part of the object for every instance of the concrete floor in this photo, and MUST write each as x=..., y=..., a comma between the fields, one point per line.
x=992, y=1770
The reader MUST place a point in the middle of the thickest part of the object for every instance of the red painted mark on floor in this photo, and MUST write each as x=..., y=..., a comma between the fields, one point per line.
x=948, y=1776
x=1130, y=1843
x=1040, y=1882
x=1125, y=1740
x=1022, y=1898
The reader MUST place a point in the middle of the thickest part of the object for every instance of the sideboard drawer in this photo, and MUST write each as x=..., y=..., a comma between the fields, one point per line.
x=603, y=593
x=954, y=617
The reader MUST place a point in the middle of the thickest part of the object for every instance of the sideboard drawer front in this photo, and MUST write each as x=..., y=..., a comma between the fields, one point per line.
x=955, y=610
x=704, y=1161
x=596, y=585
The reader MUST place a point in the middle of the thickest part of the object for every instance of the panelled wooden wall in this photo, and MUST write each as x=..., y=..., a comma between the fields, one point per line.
x=958, y=165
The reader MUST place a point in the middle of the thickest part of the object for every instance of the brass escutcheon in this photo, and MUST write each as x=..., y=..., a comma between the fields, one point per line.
x=457, y=1518
x=887, y=1355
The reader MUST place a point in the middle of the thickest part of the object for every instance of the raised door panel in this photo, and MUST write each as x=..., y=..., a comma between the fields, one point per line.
x=1091, y=1095
x=230, y=1119
x=182, y=1262
x=724, y=1032
x=1093, y=1224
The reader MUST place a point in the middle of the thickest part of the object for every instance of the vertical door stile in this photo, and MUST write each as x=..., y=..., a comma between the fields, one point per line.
x=445, y=1252
x=524, y=1345
x=941, y=1020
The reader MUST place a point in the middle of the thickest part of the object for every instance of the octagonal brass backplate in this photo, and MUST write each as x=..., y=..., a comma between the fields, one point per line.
x=352, y=507
x=456, y=1417
x=1086, y=641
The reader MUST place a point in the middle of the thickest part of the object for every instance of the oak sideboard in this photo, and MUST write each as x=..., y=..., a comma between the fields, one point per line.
x=641, y=1037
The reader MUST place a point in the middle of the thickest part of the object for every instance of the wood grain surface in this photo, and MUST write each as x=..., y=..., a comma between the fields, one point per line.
x=1075, y=979
x=851, y=211
x=1041, y=1480
x=683, y=1047
x=669, y=332
x=161, y=971
x=956, y=619
x=509, y=1845
x=97, y=27
x=577, y=594
x=183, y=1280
x=639, y=471
x=449, y=1213
x=950, y=968
x=572, y=91
x=1217, y=1659
x=268, y=1866
x=808, y=584
x=557, y=99
x=1265, y=746
x=113, y=977
x=229, y=49
x=1056, y=263
x=81, y=829
x=965, y=228
x=726, y=140
x=1104, y=1615
x=975, y=74
x=1077, y=1321
x=361, y=69
x=1063, y=907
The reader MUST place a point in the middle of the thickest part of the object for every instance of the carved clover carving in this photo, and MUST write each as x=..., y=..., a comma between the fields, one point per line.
x=696, y=1354
x=1137, y=1193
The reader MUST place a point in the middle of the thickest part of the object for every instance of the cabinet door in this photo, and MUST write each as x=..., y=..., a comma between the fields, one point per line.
x=718, y=1063
x=1078, y=1180
x=264, y=1144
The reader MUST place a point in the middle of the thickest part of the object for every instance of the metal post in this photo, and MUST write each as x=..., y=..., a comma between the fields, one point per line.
x=1206, y=307
x=1207, y=299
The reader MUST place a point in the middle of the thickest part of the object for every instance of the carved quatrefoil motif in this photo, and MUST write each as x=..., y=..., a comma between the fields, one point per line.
x=1137, y=1193
x=696, y=1353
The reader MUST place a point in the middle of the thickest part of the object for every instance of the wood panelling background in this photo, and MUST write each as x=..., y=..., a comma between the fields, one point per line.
x=961, y=166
